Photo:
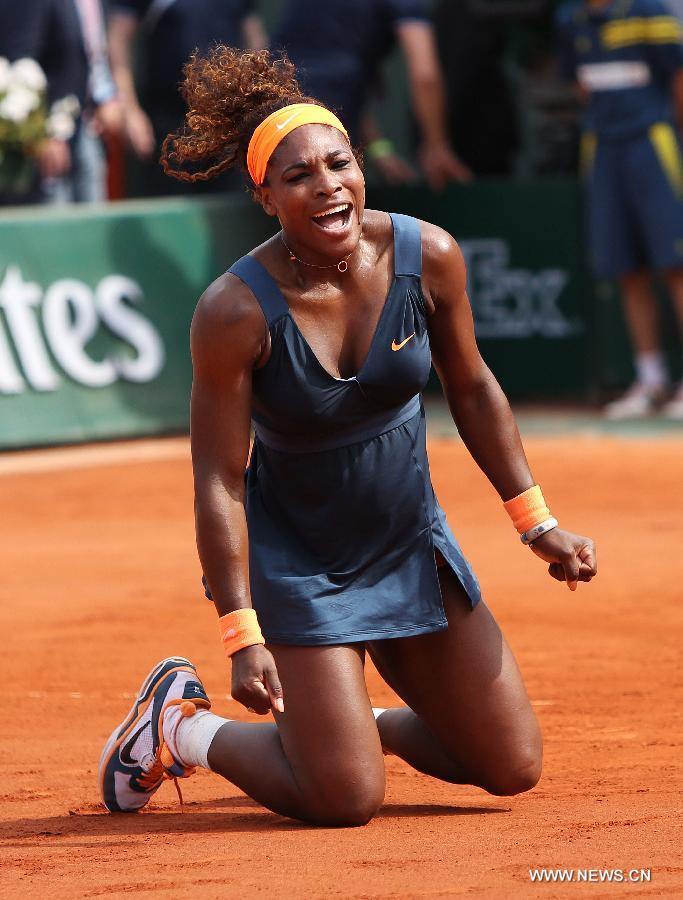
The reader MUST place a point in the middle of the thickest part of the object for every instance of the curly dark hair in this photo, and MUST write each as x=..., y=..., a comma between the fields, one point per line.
x=228, y=93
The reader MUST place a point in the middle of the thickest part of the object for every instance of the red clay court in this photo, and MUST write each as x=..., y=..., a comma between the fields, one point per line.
x=101, y=579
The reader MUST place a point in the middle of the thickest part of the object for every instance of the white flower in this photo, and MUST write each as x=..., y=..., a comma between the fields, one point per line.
x=18, y=103
x=60, y=125
x=28, y=73
x=4, y=74
x=68, y=105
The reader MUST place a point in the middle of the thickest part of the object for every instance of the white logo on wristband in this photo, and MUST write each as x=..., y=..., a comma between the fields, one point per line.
x=542, y=528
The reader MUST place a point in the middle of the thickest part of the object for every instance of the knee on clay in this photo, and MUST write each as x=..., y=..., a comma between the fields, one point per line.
x=522, y=774
x=350, y=802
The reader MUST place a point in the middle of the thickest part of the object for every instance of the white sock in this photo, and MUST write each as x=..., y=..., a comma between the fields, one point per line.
x=651, y=370
x=189, y=737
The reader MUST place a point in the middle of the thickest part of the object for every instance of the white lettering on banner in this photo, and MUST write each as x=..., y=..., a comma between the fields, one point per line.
x=71, y=316
x=17, y=299
x=11, y=381
x=514, y=303
x=70, y=320
x=128, y=324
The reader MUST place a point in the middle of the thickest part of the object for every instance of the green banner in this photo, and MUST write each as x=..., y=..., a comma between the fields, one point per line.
x=95, y=309
x=523, y=245
x=96, y=303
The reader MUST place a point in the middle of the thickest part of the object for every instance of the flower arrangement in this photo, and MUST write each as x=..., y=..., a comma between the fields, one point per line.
x=26, y=121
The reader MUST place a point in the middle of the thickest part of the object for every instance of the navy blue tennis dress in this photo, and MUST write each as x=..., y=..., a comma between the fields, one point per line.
x=343, y=522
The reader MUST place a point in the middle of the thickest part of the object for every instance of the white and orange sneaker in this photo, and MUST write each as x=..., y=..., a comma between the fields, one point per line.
x=136, y=760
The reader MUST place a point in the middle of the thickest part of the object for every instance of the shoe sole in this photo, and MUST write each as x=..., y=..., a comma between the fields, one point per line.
x=144, y=697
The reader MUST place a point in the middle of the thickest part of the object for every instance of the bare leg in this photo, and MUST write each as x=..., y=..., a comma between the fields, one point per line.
x=323, y=761
x=470, y=720
x=642, y=316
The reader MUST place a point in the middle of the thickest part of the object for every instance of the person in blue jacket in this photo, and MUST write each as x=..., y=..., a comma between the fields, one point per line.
x=627, y=57
x=47, y=31
x=168, y=31
x=334, y=540
x=338, y=49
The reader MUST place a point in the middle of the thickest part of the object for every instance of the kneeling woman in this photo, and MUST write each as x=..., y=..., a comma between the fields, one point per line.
x=334, y=543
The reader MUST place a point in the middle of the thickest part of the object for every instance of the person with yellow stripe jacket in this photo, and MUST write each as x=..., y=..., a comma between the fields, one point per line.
x=627, y=57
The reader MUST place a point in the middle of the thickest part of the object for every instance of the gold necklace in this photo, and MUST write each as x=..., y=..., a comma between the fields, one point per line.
x=341, y=266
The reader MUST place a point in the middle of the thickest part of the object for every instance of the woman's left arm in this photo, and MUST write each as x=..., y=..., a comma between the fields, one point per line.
x=478, y=405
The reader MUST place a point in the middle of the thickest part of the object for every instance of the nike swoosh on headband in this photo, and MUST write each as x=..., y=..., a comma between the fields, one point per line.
x=281, y=125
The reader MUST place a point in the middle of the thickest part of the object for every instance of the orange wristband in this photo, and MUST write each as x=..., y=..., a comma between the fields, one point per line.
x=239, y=629
x=527, y=509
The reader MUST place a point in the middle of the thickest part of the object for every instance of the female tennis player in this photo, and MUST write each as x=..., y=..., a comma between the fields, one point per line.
x=333, y=543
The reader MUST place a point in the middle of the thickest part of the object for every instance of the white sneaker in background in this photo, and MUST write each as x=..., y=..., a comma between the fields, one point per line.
x=674, y=408
x=638, y=402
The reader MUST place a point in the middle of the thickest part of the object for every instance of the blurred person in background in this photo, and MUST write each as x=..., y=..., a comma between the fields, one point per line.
x=86, y=180
x=47, y=31
x=482, y=117
x=337, y=49
x=169, y=32
x=627, y=57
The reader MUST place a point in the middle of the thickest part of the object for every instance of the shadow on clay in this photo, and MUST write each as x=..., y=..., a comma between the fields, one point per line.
x=92, y=821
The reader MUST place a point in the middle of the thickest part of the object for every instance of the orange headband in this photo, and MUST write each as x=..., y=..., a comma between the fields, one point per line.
x=277, y=126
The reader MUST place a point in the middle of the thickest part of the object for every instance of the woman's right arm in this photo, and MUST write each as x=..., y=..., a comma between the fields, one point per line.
x=228, y=337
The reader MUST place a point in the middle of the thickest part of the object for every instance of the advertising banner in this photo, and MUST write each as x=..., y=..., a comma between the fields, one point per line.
x=527, y=283
x=95, y=310
x=96, y=302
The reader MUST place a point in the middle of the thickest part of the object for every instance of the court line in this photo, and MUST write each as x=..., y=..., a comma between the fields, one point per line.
x=440, y=425
x=94, y=455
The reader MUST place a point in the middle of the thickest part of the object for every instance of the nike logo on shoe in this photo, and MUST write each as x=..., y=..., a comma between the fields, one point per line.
x=395, y=346
x=125, y=756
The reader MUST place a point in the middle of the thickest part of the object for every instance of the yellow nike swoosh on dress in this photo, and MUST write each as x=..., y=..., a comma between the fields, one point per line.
x=395, y=346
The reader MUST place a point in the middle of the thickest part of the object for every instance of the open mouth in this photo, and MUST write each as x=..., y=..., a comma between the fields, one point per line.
x=334, y=219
